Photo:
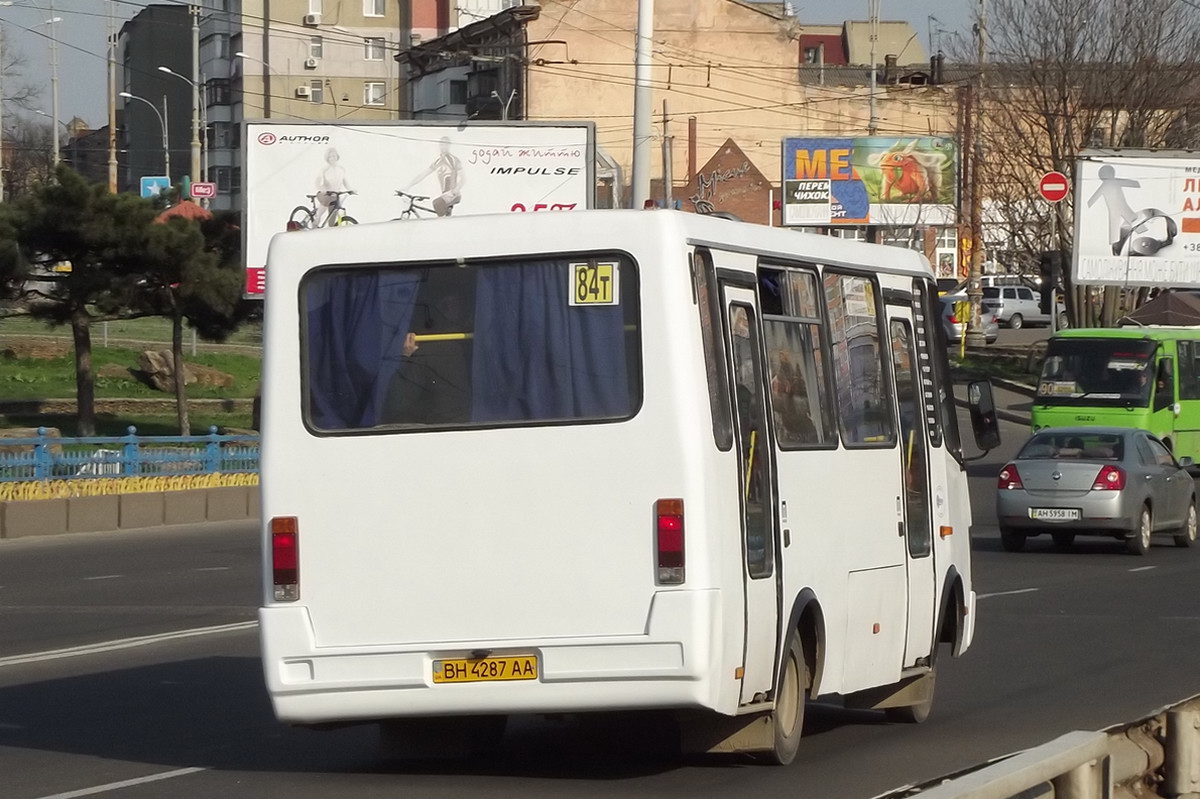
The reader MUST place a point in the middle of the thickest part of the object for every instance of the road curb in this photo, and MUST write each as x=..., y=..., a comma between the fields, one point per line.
x=1014, y=386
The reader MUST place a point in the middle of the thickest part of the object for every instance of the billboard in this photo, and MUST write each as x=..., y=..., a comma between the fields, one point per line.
x=306, y=175
x=1137, y=220
x=875, y=180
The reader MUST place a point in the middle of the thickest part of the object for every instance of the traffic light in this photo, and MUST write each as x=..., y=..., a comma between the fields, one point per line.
x=1050, y=266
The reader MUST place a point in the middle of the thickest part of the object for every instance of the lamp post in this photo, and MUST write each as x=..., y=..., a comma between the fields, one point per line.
x=56, y=122
x=4, y=3
x=53, y=36
x=197, y=123
x=266, y=87
x=162, y=120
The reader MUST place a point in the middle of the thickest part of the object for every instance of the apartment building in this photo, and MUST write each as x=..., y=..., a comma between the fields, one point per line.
x=305, y=60
x=157, y=36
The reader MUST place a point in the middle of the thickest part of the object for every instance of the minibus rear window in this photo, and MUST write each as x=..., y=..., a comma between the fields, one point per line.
x=488, y=344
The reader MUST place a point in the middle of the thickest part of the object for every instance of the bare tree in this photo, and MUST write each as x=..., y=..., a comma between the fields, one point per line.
x=29, y=160
x=1067, y=75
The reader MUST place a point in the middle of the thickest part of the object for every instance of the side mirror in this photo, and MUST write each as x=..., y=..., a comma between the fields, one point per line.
x=983, y=415
x=1186, y=462
x=1176, y=408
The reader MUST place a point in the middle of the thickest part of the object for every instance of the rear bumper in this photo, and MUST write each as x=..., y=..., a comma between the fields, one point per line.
x=670, y=666
x=1101, y=511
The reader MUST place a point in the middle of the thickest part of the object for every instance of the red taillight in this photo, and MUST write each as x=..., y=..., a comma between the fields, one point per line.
x=1009, y=479
x=1111, y=478
x=669, y=538
x=285, y=558
x=954, y=319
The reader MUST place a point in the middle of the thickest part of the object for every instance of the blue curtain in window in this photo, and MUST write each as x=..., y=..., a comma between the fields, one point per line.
x=536, y=356
x=356, y=329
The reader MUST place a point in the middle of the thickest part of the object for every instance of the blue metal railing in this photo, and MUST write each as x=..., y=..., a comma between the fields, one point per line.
x=50, y=458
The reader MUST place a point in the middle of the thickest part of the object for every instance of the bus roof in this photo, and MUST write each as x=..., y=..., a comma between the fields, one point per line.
x=500, y=235
x=1152, y=332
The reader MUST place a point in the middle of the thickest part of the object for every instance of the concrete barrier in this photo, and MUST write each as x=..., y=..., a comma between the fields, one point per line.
x=142, y=510
x=24, y=517
x=185, y=507
x=93, y=514
x=136, y=511
x=228, y=503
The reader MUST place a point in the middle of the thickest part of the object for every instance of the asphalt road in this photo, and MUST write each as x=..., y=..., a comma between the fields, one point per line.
x=1065, y=641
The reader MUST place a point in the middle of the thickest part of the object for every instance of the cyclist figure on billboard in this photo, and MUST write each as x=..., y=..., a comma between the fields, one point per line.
x=449, y=170
x=331, y=184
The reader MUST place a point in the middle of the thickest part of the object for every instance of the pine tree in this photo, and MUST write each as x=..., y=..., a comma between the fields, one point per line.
x=74, y=255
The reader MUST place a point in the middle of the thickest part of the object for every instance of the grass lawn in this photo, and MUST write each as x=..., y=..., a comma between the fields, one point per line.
x=146, y=424
x=147, y=329
x=55, y=378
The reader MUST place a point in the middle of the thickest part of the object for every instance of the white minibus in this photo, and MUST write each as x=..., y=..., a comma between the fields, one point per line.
x=603, y=461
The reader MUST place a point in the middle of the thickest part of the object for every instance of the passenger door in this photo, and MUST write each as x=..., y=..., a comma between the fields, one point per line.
x=917, y=527
x=755, y=490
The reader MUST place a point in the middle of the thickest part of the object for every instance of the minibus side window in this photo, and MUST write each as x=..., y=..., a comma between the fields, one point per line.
x=797, y=360
x=940, y=363
x=704, y=277
x=863, y=396
x=1189, y=370
x=925, y=333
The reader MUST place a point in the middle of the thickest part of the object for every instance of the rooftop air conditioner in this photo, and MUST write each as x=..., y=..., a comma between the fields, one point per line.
x=312, y=19
x=311, y=63
x=304, y=91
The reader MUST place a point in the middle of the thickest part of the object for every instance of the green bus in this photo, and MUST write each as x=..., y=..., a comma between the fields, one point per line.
x=1147, y=377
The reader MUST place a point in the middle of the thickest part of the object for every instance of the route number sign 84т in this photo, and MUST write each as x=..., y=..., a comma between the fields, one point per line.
x=594, y=284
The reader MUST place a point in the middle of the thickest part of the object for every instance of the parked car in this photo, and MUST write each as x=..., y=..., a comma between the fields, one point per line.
x=1017, y=306
x=1108, y=481
x=954, y=327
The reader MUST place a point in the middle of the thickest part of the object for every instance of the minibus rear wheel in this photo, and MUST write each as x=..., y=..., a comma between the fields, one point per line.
x=787, y=718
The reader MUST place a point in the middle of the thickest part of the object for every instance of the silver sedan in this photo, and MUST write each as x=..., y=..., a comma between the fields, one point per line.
x=1096, y=481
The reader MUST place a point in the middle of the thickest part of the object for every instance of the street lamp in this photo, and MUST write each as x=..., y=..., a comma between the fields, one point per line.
x=162, y=120
x=248, y=57
x=198, y=124
x=53, y=73
x=266, y=96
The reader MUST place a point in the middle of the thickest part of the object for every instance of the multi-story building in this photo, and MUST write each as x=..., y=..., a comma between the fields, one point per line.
x=86, y=150
x=158, y=36
x=304, y=60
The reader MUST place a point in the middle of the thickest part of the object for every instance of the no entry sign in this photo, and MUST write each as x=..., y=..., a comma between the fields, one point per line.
x=1053, y=187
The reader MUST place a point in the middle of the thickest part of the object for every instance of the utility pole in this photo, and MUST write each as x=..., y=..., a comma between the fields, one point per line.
x=195, y=12
x=1, y=118
x=668, y=178
x=975, y=336
x=873, y=11
x=112, y=99
x=643, y=124
x=54, y=76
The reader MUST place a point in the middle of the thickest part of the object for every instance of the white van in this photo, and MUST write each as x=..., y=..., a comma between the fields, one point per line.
x=607, y=460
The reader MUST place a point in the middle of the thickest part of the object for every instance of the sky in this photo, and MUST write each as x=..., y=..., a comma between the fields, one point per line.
x=82, y=34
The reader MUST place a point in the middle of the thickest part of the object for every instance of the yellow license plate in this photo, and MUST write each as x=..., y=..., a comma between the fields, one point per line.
x=523, y=667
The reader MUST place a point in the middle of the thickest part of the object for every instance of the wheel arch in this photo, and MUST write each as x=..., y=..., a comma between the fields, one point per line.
x=952, y=621
x=807, y=618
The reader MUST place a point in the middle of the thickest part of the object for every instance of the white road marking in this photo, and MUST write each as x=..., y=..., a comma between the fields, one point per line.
x=105, y=577
x=1143, y=568
x=212, y=569
x=1008, y=593
x=123, y=643
x=114, y=786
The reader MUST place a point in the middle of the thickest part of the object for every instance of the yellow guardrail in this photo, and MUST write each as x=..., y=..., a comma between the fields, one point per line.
x=106, y=486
